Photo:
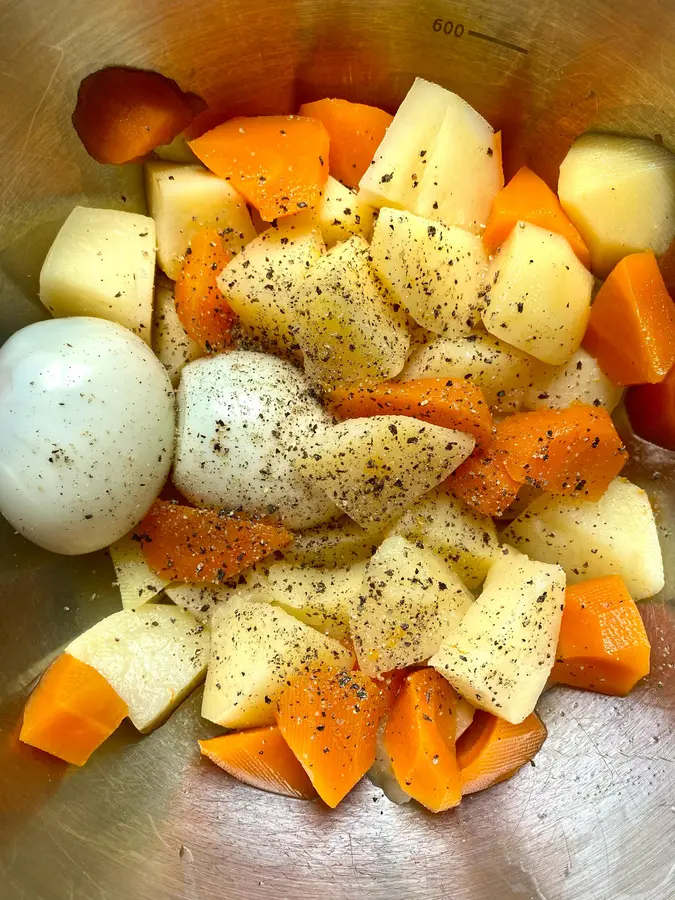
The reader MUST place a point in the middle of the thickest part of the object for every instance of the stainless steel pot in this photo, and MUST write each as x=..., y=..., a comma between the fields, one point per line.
x=595, y=818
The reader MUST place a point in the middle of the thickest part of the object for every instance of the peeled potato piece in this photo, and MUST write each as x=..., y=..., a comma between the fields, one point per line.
x=580, y=380
x=172, y=345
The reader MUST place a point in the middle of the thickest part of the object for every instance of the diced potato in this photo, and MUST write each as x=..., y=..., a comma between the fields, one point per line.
x=153, y=657
x=172, y=345
x=437, y=160
x=502, y=372
x=261, y=283
x=341, y=214
x=102, y=264
x=320, y=598
x=410, y=602
x=374, y=468
x=620, y=194
x=437, y=274
x=256, y=649
x=346, y=328
x=540, y=299
x=580, y=380
x=442, y=523
x=184, y=199
x=178, y=151
x=135, y=579
x=501, y=654
x=338, y=543
x=201, y=599
x=615, y=536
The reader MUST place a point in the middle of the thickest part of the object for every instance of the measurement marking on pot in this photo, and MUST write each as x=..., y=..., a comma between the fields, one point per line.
x=458, y=30
x=494, y=40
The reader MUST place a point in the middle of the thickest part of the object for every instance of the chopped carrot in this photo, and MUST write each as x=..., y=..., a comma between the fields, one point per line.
x=651, y=410
x=123, y=114
x=201, y=545
x=355, y=130
x=329, y=719
x=419, y=738
x=631, y=331
x=492, y=750
x=279, y=163
x=574, y=451
x=72, y=711
x=603, y=645
x=482, y=481
x=527, y=198
x=450, y=404
x=204, y=312
x=262, y=758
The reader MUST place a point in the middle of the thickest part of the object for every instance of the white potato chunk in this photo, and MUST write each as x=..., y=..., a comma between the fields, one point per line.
x=580, y=380
x=102, y=264
x=256, y=649
x=436, y=273
x=152, y=657
x=615, y=536
x=620, y=194
x=184, y=199
x=261, y=283
x=178, y=151
x=320, y=598
x=172, y=345
x=374, y=468
x=334, y=544
x=341, y=214
x=502, y=372
x=244, y=418
x=201, y=599
x=465, y=541
x=135, y=579
x=501, y=654
x=346, y=328
x=437, y=160
x=540, y=299
x=410, y=602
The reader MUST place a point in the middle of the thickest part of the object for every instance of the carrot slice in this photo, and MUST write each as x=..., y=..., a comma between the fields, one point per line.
x=201, y=545
x=420, y=739
x=279, y=163
x=355, y=130
x=72, y=711
x=204, y=312
x=651, y=410
x=527, y=198
x=631, y=331
x=262, y=758
x=450, y=404
x=603, y=645
x=329, y=719
x=123, y=114
x=483, y=481
x=574, y=451
x=492, y=750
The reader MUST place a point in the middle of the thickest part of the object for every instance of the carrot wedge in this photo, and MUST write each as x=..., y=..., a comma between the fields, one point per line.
x=603, y=645
x=355, y=130
x=279, y=163
x=527, y=198
x=450, y=404
x=651, y=410
x=483, y=481
x=202, y=309
x=201, y=545
x=72, y=711
x=420, y=739
x=329, y=719
x=492, y=750
x=262, y=758
x=631, y=331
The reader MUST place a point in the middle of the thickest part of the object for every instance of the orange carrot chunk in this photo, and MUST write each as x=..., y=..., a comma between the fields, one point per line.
x=329, y=719
x=123, y=114
x=201, y=545
x=574, y=451
x=483, y=481
x=492, y=750
x=420, y=739
x=450, y=404
x=651, y=410
x=204, y=312
x=72, y=711
x=603, y=645
x=631, y=331
x=262, y=758
x=527, y=198
x=279, y=163
x=355, y=130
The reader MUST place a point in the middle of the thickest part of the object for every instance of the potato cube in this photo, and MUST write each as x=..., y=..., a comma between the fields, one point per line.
x=580, y=380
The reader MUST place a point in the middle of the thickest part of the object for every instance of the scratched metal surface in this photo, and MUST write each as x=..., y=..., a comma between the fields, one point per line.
x=146, y=819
